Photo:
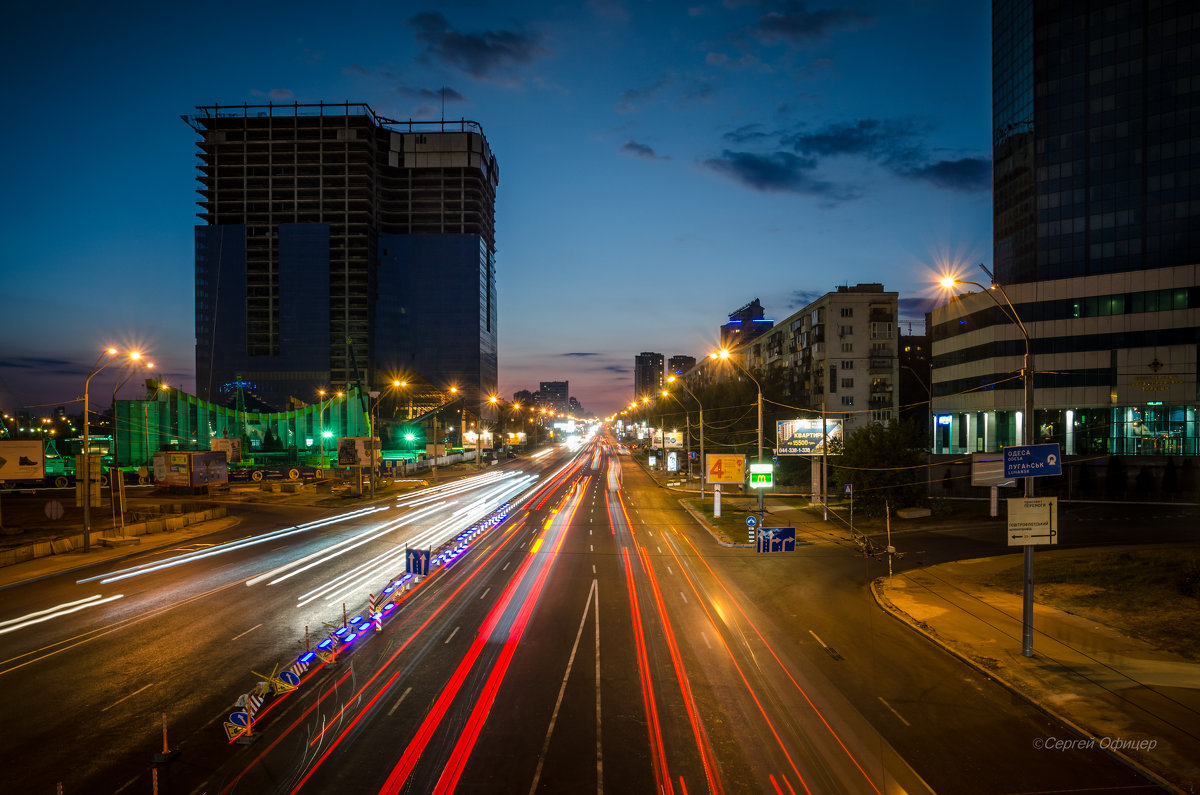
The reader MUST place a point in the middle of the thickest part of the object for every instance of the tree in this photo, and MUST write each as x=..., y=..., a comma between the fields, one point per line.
x=885, y=463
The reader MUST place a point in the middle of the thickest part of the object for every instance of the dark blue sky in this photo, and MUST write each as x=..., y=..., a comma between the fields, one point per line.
x=660, y=163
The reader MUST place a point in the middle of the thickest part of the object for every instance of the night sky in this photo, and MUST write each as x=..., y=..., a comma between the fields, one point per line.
x=661, y=163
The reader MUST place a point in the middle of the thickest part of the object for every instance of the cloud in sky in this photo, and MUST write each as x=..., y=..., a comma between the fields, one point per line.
x=773, y=172
x=967, y=174
x=641, y=150
x=578, y=353
x=275, y=94
x=486, y=55
x=443, y=94
x=802, y=298
x=791, y=158
x=634, y=99
x=792, y=23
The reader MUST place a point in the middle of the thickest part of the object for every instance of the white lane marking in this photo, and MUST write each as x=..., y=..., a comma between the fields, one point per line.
x=593, y=593
x=683, y=596
x=823, y=646
x=894, y=712
x=397, y=704
x=656, y=546
x=505, y=567
x=247, y=632
x=131, y=695
x=591, y=547
x=706, y=643
x=452, y=634
x=669, y=571
x=593, y=568
x=485, y=592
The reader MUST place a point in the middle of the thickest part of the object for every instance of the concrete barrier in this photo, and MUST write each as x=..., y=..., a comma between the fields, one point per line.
x=59, y=546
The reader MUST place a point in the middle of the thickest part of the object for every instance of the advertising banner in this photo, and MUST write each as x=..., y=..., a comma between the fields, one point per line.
x=355, y=451
x=725, y=468
x=210, y=467
x=804, y=437
x=22, y=460
x=231, y=447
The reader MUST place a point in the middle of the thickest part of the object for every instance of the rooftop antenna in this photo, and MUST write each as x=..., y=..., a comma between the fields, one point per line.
x=443, y=102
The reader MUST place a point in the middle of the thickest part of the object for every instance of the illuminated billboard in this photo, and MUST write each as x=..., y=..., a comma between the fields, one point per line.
x=804, y=437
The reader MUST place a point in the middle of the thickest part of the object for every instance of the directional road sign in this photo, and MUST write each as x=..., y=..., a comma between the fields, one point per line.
x=777, y=539
x=1032, y=521
x=1032, y=460
x=417, y=562
x=751, y=521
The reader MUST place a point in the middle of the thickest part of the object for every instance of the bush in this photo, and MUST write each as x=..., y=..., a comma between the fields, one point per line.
x=1187, y=582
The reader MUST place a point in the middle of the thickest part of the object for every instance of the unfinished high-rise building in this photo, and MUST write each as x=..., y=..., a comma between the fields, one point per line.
x=342, y=248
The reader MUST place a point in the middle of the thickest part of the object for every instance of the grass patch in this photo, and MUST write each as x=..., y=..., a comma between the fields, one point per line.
x=1151, y=593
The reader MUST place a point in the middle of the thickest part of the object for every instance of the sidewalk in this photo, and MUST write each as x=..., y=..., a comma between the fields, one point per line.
x=51, y=565
x=1136, y=701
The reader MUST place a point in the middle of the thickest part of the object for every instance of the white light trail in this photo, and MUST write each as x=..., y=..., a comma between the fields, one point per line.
x=342, y=547
x=220, y=549
x=13, y=624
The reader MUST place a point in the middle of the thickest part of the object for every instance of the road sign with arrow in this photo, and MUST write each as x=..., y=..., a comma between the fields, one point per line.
x=1032, y=521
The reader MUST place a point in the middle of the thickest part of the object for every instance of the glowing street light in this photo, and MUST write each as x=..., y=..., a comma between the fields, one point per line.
x=112, y=355
x=723, y=355
x=1010, y=312
x=683, y=386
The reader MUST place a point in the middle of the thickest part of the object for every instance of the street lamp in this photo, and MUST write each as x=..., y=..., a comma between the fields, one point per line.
x=724, y=355
x=949, y=283
x=703, y=471
x=321, y=394
x=100, y=364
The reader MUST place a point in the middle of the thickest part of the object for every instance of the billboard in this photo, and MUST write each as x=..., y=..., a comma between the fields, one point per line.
x=355, y=451
x=210, y=467
x=231, y=447
x=803, y=437
x=191, y=469
x=673, y=439
x=22, y=460
x=725, y=468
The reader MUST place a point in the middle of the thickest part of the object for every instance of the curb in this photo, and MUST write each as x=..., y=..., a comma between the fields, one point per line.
x=712, y=531
x=888, y=607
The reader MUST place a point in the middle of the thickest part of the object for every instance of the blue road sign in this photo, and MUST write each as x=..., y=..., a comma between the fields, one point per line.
x=849, y=489
x=777, y=539
x=1032, y=460
x=239, y=718
x=751, y=521
x=417, y=562
x=289, y=678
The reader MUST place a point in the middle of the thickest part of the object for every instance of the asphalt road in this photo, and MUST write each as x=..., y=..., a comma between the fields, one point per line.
x=594, y=639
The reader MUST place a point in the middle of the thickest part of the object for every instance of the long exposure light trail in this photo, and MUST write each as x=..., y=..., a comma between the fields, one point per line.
x=50, y=613
x=339, y=548
x=775, y=656
x=220, y=549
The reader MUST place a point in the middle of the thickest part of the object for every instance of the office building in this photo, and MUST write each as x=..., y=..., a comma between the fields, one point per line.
x=745, y=324
x=339, y=247
x=1097, y=238
x=679, y=365
x=648, y=375
x=554, y=395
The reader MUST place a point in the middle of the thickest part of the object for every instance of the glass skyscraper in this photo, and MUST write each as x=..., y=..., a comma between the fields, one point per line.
x=1096, y=158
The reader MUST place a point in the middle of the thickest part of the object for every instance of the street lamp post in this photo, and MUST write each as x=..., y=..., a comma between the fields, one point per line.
x=1027, y=383
x=703, y=470
x=116, y=483
x=724, y=354
x=86, y=491
x=321, y=394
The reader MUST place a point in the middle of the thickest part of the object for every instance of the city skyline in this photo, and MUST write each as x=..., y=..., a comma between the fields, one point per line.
x=720, y=152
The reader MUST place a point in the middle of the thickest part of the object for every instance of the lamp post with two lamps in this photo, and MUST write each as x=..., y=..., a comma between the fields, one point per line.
x=703, y=471
x=1010, y=313
x=86, y=491
x=723, y=354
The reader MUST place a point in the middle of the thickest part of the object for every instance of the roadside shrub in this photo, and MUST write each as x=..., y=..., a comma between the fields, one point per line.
x=1187, y=582
x=939, y=506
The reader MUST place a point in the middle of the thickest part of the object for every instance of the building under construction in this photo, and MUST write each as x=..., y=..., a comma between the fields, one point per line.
x=340, y=249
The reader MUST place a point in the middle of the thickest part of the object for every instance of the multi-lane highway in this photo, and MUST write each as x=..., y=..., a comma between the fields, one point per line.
x=587, y=637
